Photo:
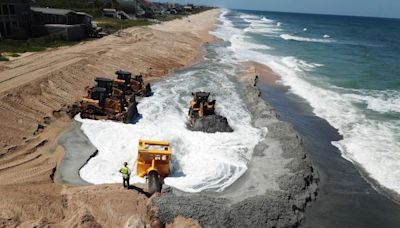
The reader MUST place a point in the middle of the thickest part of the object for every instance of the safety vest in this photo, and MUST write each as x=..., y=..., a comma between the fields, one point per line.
x=125, y=171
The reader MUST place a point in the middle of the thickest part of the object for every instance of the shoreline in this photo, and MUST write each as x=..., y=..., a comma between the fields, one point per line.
x=278, y=186
x=341, y=183
x=270, y=78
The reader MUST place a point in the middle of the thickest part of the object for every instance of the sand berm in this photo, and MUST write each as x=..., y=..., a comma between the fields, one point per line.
x=35, y=91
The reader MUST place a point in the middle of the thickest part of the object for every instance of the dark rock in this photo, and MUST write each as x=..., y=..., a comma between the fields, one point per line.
x=210, y=124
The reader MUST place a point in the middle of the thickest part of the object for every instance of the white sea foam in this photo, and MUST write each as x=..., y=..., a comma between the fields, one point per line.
x=260, y=25
x=385, y=101
x=264, y=19
x=245, y=16
x=372, y=143
x=201, y=161
x=304, y=39
x=298, y=64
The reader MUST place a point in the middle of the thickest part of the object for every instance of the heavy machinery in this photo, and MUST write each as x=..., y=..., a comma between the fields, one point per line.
x=202, y=115
x=97, y=105
x=130, y=85
x=153, y=162
x=200, y=106
x=105, y=102
x=114, y=92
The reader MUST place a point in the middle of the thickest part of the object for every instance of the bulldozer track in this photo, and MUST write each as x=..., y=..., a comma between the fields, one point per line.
x=22, y=175
x=12, y=164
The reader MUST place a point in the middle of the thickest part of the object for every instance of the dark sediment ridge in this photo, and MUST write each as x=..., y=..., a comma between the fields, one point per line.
x=275, y=190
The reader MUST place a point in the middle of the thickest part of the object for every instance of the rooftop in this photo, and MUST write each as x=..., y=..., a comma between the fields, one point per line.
x=53, y=11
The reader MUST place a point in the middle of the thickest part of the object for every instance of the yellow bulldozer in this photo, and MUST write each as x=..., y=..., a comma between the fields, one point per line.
x=153, y=162
x=200, y=106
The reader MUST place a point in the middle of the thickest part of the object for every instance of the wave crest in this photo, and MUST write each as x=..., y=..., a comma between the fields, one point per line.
x=305, y=39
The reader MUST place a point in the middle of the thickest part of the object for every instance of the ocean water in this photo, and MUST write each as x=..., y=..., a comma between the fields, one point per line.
x=346, y=68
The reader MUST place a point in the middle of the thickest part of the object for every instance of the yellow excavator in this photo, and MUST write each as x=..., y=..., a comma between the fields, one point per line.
x=153, y=162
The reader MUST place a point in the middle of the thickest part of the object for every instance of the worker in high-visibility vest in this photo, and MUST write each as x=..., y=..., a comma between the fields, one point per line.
x=126, y=173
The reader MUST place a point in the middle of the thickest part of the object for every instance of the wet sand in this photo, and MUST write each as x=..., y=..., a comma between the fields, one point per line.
x=77, y=151
x=266, y=75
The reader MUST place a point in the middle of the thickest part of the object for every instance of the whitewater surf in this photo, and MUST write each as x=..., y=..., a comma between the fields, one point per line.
x=368, y=141
x=201, y=161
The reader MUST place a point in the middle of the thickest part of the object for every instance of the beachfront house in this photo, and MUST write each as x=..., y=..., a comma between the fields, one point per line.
x=60, y=23
x=15, y=18
x=18, y=20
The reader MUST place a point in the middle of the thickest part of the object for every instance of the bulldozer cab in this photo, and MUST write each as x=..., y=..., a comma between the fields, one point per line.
x=124, y=75
x=105, y=83
x=200, y=97
x=200, y=106
x=99, y=94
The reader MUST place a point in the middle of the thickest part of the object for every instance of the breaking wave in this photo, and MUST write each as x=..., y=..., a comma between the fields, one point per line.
x=304, y=39
x=369, y=142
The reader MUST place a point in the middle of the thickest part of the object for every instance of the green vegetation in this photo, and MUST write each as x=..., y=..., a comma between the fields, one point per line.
x=31, y=45
x=169, y=17
x=112, y=25
x=2, y=58
x=14, y=55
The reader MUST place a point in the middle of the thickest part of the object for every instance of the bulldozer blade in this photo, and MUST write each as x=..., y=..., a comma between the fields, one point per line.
x=132, y=113
x=147, y=91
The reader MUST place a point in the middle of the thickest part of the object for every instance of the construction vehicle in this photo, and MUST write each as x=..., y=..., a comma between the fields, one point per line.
x=202, y=116
x=153, y=162
x=130, y=85
x=101, y=104
x=200, y=106
x=114, y=92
